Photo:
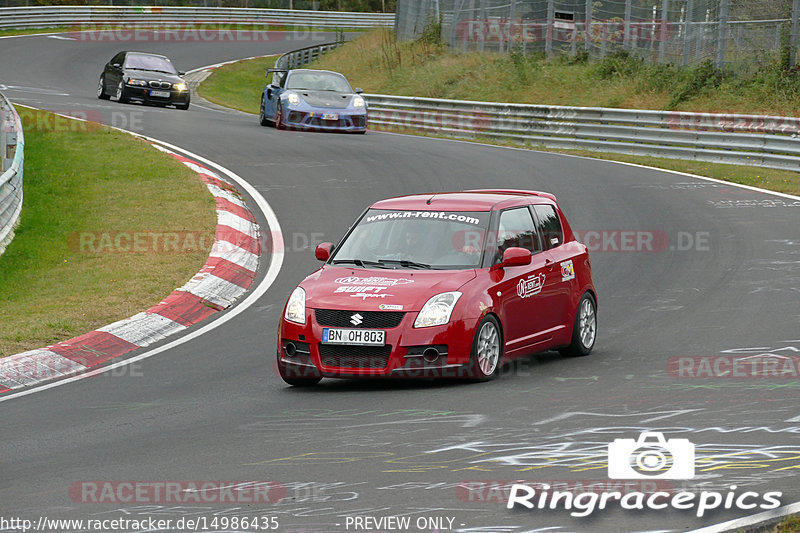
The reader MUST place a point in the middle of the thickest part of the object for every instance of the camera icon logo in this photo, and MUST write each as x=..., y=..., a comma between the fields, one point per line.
x=651, y=457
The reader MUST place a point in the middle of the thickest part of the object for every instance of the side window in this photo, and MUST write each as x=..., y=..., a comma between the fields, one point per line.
x=118, y=58
x=516, y=228
x=549, y=225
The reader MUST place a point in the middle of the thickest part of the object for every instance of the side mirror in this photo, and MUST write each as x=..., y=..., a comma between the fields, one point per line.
x=181, y=73
x=513, y=256
x=359, y=90
x=323, y=251
x=116, y=65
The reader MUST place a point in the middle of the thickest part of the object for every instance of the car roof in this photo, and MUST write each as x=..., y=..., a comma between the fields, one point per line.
x=316, y=71
x=145, y=54
x=472, y=200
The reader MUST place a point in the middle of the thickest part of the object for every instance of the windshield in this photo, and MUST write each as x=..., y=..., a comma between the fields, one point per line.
x=147, y=62
x=448, y=240
x=318, y=81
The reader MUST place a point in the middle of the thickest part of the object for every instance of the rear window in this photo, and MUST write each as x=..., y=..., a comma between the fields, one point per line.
x=549, y=225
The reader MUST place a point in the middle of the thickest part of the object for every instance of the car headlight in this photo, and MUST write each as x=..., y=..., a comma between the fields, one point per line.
x=437, y=310
x=140, y=83
x=358, y=101
x=296, y=307
x=293, y=98
x=179, y=86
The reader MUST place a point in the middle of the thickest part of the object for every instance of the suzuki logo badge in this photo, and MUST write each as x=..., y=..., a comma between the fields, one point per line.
x=356, y=319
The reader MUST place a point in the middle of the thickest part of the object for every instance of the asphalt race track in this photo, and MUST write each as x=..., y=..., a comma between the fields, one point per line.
x=727, y=282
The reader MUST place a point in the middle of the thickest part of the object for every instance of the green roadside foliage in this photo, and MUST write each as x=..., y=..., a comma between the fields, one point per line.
x=90, y=192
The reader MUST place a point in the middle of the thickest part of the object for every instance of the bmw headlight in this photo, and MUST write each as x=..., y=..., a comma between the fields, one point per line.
x=437, y=310
x=358, y=101
x=179, y=86
x=293, y=98
x=140, y=83
x=296, y=307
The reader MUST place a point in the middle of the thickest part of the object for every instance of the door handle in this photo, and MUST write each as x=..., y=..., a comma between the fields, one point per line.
x=549, y=264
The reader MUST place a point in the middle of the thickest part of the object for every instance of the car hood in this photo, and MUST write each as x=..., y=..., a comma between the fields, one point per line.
x=334, y=287
x=326, y=99
x=156, y=76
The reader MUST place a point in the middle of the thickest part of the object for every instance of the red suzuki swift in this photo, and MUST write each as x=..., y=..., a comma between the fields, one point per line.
x=441, y=285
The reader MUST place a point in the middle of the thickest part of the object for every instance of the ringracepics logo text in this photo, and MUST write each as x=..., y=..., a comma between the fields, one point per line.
x=650, y=456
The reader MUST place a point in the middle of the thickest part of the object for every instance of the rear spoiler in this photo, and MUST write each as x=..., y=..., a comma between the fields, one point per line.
x=273, y=70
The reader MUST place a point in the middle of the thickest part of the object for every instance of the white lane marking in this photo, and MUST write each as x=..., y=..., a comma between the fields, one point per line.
x=738, y=523
x=33, y=90
x=61, y=38
x=272, y=273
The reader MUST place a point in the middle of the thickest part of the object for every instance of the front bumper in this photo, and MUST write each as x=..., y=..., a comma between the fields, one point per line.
x=302, y=354
x=313, y=119
x=142, y=94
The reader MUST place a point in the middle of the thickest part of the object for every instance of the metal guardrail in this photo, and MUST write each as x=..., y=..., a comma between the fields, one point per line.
x=764, y=141
x=89, y=17
x=12, y=144
x=304, y=56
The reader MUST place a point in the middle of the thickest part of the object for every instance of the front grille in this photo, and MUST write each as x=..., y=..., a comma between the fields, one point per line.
x=355, y=356
x=368, y=319
x=320, y=122
x=160, y=85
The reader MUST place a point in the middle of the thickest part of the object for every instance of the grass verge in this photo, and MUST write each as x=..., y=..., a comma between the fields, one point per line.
x=81, y=180
x=239, y=85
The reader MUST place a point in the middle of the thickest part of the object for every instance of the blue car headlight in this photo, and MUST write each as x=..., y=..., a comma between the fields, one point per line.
x=292, y=98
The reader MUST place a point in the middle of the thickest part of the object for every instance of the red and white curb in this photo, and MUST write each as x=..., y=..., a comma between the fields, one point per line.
x=227, y=274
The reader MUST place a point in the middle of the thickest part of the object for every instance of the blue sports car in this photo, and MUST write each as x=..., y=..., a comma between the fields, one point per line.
x=312, y=99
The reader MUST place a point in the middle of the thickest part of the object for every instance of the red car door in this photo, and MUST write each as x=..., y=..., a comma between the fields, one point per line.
x=518, y=290
x=558, y=290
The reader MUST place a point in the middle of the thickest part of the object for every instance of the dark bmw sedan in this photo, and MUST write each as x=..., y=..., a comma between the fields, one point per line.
x=141, y=77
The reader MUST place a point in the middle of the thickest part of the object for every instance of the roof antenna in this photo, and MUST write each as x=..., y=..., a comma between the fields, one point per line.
x=430, y=199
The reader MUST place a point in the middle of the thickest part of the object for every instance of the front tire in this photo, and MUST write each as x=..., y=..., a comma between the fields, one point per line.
x=262, y=117
x=291, y=378
x=584, y=331
x=183, y=107
x=487, y=350
x=279, y=123
x=101, y=89
x=122, y=96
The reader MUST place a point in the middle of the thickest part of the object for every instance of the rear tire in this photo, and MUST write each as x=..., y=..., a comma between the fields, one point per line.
x=584, y=331
x=101, y=89
x=487, y=350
